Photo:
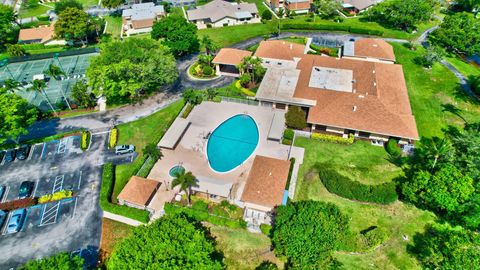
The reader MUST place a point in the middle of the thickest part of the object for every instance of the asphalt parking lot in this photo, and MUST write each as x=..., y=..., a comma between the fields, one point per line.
x=67, y=225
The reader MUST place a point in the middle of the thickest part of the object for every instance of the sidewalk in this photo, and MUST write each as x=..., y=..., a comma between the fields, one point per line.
x=122, y=219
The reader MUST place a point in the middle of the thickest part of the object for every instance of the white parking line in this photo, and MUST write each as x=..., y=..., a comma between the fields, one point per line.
x=35, y=190
x=49, y=215
x=79, y=180
x=75, y=207
x=31, y=152
x=58, y=184
x=4, y=231
x=5, y=195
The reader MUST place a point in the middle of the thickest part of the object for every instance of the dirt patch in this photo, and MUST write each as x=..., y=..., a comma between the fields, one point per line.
x=112, y=233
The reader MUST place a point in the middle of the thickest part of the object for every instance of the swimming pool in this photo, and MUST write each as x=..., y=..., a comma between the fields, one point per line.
x=232, y=143
x=176, y=169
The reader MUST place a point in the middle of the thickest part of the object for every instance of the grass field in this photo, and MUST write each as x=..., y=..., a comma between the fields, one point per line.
x=467, y=69
x=33, y=12
x=114, y=25
x=243, y=249
x=429, y=89
x=398, y=219
x=112, y=233
x=139, y=133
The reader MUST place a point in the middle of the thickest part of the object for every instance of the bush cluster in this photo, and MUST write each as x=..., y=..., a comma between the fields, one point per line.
x=343, y=186
x=55, y=196
x=296, y=118
x=187, y=110
x=331, y=27
x=265, y=228
x=266, y=15
x=244, y=90
x=333, y=138
x=113, y=140
x=146, y=167
x=392, y=148
x=85, y=140
x=288, y=134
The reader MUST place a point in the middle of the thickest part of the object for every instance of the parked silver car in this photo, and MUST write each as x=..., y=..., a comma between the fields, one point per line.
x=124, y=149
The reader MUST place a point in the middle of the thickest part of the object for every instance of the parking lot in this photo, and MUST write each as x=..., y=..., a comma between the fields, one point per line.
x=66, y=225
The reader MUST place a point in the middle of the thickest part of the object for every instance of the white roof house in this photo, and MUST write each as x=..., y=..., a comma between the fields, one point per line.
x=220, y=13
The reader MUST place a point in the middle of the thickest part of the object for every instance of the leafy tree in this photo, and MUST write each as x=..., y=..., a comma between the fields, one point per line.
x=54, y=71
x=16, y=50
x=296, y=118
x=192, y=96
x=458, y=33
x=205, y=59
x=442, y=247
x=253, y=67
x=470, y=5
x=432, y=55
x=30, y=4
x=186, y=180
x=112, y=3
x=39, y=86
x=209, y=44
x=402, y=14
x=467, y=151
x=431, y=151
x=16, y=114
x=307, y=232
x=61, y=261
x=167, y=7
x=171, y=242
x=82, y=96
x=130, y=69
x=326, y=8
x=152, y=151
x=211, y=93
x=61, y=5
x=11, y=86
x=266, y=15
x=475, y=84
x=72, y=24
x=176, y=33
x=280, y=12
x=8, y=27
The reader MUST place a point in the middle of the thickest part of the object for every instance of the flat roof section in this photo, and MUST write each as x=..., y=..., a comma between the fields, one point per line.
x=277, y=127
x=331, y=79
x=174, y=133
x=213, y=186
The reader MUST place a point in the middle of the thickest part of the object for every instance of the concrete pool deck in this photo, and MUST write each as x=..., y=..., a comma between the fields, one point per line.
x=190, y=152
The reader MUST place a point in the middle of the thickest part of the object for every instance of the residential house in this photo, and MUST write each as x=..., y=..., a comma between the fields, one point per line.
x=369, y=49
x=227, y=60
x=42, y=34
x=357, y=6
x=298, y=6
x=212, y=189
x=219, y=13
x=140, y=18
x=264, y=189
x=138, y=193
x=181, y=3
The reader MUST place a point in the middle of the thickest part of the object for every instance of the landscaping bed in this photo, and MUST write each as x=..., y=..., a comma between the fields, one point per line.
x=200, y=71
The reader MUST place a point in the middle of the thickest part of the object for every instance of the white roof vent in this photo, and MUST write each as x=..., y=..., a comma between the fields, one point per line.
x=361, y=96
x=354, y=108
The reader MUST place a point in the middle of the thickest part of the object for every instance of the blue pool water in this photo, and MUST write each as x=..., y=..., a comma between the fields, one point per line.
x=232, y=142
x=176, y=169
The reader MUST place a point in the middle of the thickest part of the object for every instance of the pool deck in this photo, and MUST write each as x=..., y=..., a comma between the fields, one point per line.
x=191, y=149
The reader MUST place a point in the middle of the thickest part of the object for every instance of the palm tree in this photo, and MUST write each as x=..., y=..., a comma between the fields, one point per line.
x=186, y=180
x=252, y=66
x=435, y=149
x=39, y=87
x=209, y=45
x=56, y=72
x=211, y=93
x=11, y=85
x=152, y=151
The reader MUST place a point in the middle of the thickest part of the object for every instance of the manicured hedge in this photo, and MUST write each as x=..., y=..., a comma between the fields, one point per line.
x=290, y=170
x=60, y=195
x=106, y=189
x=187, y=110
x=113, y=139
x=288, y=134
x=85, y=140
x=343, y=186
x=331, y=27
x=265, y=228
x=146, y=167
x=333, y=138
x=392, y=148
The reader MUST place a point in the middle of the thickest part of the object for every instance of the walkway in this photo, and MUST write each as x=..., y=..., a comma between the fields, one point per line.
x=122, y=219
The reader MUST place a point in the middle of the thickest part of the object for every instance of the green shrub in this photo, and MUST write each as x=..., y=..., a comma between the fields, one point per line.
x=200, y=205
x=373, y=237
x=208, y=71
x=113, y=138
x=296, y=118
x=187, y=111
x=43, y=18
x=57, y=196
x=366, y=31
x=288, y=134
x=292, y=163
x=146, y=167
x=287, y=141
x=392, y=148
x=333, y=138
x=85, y=142
x=343, y=186
x=265, y=228
x=217, y=99
x=266, y=15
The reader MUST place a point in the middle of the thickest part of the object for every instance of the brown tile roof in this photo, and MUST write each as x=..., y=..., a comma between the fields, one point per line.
x=298, y=5
x=266, y=181
x=229, y=56
x=279, y=49
x=380, y=99
x=138, y=24
x=138, y=190
x=374, y=48
x=43, y=33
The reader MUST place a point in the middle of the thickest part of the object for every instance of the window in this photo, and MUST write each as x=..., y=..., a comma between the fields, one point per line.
x=267, y=62
x=279, y=63
x=363, y=134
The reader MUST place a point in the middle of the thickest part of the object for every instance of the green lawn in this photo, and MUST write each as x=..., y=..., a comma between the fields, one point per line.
x=114, y=25
x=139, y=133
x=243, y=249
x=225, y=36
x=429, y=89
x=398, y=219
x=295, y=39
x=88, y=3
x=467, y=69
x=36, y=11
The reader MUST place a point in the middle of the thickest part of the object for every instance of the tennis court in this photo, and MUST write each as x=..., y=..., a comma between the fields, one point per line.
x=23, y=72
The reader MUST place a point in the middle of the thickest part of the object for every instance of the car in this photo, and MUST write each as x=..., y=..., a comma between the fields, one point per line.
x=15, y=223
x=26, y=188
x=3, y=216
x=10, y=155
x=22, y=152
x=124, y=149
x=2, y=192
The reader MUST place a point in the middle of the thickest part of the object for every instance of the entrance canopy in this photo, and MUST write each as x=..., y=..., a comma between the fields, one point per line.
x=174, y=133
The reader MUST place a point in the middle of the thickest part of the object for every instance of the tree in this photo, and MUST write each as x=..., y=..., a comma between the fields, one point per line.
x=171, y=242
x=152, y=151
x=458, y=33
x=475, y=84
x=267, y=15
x=130, y=69
x=402, y=14
x=60, y=261
x=296, y=118
x=280, y=12
x=253, y=67
x=327, y=8
x=11, y=85
x=8, y=28
x=432, y=55
x=307, y=232
x=39, y=86
x=177, y=34
x=16, y=50
x=186, y=180
x=192, y=96
x=72, y=24
x=432, y=151
x=470, y=6
x=112, y=3
x=82, y=96
x=205, y=59
x=211, y=93
x=54, y=71
x=209, y=44
x=60, y=6
x=16, y=114
x=443, y=247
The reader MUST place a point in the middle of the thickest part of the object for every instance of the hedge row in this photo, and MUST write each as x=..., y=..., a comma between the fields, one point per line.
x=333, y=138
x=113, y=138
x=85, y=140
x=343, y=186
x=106, y=189
x=57, y=196
x=146, y=167
x=331, y=27
x=199, y=215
